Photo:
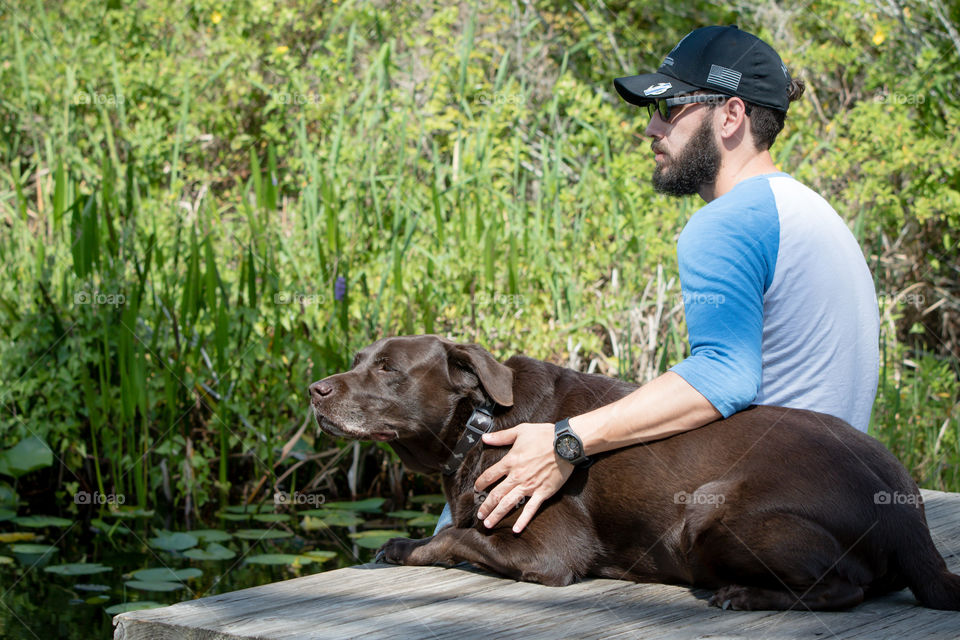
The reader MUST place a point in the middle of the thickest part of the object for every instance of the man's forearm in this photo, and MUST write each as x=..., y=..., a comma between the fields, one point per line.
x=663, y=407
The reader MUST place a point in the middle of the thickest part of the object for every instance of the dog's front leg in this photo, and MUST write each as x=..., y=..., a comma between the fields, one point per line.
x=398, y=551
x=501, y=551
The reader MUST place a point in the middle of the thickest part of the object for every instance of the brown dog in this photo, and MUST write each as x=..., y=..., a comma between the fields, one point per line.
x=774, y=508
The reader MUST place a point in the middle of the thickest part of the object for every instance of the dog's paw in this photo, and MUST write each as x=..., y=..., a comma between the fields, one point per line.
x=732, y=597
x=396, y=551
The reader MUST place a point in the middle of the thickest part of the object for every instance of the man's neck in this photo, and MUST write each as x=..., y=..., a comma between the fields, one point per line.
x=734, y=170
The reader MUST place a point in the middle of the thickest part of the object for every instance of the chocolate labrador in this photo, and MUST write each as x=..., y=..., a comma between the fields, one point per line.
x=772, y=508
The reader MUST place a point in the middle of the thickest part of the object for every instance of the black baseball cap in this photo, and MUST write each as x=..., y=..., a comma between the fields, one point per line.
x=722, y=59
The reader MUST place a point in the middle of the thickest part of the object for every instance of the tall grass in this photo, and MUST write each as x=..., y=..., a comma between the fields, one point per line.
x=165, y=319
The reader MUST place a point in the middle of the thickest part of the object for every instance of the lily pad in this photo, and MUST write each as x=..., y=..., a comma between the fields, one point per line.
x=273, y=517
x=164, y=574
x=33, y=549
x=262, y=534
x=330, y=518
x=425, y=520
x=173, y=541
x=133, y=606
x=321, y=555
x=405, y=514
x=234, y=517
x=128, y=512
x=211, y=535
x=34, y=554
x=28, y=455
x=7, y=514
x=109, y=529
x=431, y=498
x=155, y=585
x=99, y=599
x=375, y=538
x=279, y=558
x=94, y=588
x=6, y=560
x=77, y=569
x=37, y=522
x=212, y=552
x=370, y=505
x=247, y=509
x=8, y=496
x=18, y=536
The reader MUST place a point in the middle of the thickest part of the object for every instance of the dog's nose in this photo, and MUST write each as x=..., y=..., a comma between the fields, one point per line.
x=320, y=390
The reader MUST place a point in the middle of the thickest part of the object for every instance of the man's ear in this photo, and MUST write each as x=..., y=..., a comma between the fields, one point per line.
x=495, y=378
x=734, y=119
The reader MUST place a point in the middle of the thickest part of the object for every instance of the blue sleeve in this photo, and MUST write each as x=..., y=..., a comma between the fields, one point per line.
x=727, y=255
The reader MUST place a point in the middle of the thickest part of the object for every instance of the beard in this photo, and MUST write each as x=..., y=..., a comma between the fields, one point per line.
x=697, y=164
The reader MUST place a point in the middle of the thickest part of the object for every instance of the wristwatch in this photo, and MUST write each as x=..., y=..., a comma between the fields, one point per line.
x=568, y=445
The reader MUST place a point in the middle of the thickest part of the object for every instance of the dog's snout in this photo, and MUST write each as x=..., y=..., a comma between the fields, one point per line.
x=320, y=390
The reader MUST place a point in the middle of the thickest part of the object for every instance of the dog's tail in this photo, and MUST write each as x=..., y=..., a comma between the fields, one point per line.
x=923, y=567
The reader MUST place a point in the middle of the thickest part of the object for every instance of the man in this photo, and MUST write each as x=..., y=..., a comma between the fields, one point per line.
x=779, y=302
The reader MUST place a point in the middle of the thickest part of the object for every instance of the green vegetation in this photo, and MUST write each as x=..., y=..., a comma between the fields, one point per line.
x=206, y=206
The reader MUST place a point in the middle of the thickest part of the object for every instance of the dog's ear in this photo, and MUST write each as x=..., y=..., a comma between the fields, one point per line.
x=496, y=379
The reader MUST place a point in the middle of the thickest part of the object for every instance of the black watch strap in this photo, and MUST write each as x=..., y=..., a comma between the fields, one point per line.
x=562, y=430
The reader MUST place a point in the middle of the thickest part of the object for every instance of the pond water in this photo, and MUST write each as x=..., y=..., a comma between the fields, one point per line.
x=60, y=578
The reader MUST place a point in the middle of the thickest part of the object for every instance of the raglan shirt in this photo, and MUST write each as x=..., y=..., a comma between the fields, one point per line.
x=780, y=305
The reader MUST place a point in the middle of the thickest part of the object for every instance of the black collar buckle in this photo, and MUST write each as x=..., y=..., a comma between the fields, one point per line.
x=479, y=423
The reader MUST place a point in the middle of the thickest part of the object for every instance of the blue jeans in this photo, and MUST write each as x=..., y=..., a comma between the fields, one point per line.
x=446, y=519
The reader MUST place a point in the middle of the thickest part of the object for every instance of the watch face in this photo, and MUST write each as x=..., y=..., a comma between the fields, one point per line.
x=568, y=447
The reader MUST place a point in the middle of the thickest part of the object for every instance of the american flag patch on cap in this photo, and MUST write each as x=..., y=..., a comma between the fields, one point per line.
x=724, y=77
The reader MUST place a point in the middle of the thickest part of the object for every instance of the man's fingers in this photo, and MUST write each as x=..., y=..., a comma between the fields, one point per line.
x=529, y=510
x=502, y=438
x=491, y=475
x=493, y=498
x=505, y=506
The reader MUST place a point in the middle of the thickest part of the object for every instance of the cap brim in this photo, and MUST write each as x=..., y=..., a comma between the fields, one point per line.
x=640, y=90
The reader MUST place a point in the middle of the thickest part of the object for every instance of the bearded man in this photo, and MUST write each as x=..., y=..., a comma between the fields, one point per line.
x=780, y=305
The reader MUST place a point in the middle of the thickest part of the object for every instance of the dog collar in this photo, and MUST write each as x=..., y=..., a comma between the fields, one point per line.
x=479, y=423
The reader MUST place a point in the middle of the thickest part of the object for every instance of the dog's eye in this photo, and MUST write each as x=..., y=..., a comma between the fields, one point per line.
x=383, y=365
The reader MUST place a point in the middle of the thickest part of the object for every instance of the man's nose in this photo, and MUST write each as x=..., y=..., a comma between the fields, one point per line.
x=655, y=128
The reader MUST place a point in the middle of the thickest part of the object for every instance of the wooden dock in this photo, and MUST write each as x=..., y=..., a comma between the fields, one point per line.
x=384, y=601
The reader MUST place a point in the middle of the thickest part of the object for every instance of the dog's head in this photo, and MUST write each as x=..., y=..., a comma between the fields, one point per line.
x=408, y=387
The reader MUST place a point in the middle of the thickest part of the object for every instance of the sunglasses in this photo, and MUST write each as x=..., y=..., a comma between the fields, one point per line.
x=665, y=106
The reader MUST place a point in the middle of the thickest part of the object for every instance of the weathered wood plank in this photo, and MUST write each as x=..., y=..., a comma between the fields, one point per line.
x=324, y=596
x=513, y=606
x=379, y=601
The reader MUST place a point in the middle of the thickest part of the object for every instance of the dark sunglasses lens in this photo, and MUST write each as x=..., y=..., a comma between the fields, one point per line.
x=664, y=110
x=659, y=106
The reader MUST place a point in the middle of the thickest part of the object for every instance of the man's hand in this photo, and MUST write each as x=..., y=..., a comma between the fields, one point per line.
x=532, y=469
